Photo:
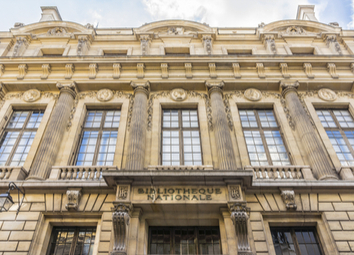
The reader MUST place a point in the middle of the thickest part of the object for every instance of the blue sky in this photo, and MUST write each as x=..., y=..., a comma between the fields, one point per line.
x=134, y=13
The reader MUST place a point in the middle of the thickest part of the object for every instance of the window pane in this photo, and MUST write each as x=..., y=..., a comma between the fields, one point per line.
x=344, y=118
x=112, y=119
x=255, y=147
x=267, y=118
x=191, y=147
x=248, y=119
x=87, y=148
x=107, y=148
x=7, y=143
x=22, y=149
x=277, y=151
x=340, y=146
x=17, y=119
x=326, y=119
x=170, y=148
x=93, y=119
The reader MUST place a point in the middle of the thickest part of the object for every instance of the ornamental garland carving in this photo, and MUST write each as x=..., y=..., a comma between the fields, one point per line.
x=327, y=94
x=253, y=94
x=10, y=96
x=228, y=112
x=287, y=113
x=72, y=112
x=152, y=96
x=104, y=95
x=31, y=95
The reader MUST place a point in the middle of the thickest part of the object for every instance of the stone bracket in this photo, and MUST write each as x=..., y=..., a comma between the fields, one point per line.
x=73, y=196
x=332, y=70
x=236, y=68
x=93, y=69
x=284, y=70
x=140, y=67
x=260, y=70
x=188, y=67
x=46, y=69
x=69, y=71
x=22, y=71
x=121, y=219
x=308, y=70
x=164, y=70
x=116, y=70
x=288, y=197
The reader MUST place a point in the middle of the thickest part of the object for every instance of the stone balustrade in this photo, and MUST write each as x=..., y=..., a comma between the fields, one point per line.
x=282, y=172
x=12, y=173
x=180, y=168
x=78, y=173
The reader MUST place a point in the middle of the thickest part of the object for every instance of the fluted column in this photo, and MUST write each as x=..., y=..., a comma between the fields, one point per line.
x=224, y=146
x=137, y=132
x=53, y=135
x=316, y=154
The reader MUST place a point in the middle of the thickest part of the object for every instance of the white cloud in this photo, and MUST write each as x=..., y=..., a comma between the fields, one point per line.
x=350, y=25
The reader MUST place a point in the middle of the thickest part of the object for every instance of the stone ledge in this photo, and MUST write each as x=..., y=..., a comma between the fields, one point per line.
x=180, y=168
x=13, y=173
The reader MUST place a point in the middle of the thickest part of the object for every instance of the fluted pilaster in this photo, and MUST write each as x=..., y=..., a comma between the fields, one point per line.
x=53, y=135
x=137, y=132
x=316, y=154
x=224, y=146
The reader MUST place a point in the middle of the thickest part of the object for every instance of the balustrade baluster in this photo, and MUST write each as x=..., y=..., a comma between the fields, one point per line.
x=2, y=174
x=63, y=173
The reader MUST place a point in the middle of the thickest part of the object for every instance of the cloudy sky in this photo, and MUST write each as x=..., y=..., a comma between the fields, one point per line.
x=134, y=13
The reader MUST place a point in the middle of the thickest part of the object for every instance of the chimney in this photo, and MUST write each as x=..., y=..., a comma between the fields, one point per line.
x=50, y=13
x=306, y=12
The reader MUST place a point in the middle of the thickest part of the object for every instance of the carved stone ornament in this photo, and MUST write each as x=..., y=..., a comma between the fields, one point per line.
x=31, y=95
x=253, y=94
x=235, y=192
x=178, y=94
x=104, y=95
x=288, y=197
x=123, y=192
x=121, y=220
x=73, y=199
x=294, y=30
x=57, y=31
x=327, y=95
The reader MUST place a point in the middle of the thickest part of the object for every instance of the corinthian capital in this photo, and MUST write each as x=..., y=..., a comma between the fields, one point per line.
x=70, y=88
x=214, y=86
x=143, y=86
x=287, y=86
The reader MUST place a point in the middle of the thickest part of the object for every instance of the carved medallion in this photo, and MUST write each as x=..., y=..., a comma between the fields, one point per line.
x=327, y=95
x=31, y=95
x=253, y=94
x=104, y=95
x=178, y=94
x=235, y=192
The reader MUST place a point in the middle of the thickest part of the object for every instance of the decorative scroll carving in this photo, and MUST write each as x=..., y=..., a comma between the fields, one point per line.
x=123, y=192
x=104, y=95
x=188, y=67
x=145, y=41
x=239, y=216
x=288, y=197
x=178, y=94
x=327, y=95
x=294, y=30
x=73, y=199
x=2, y=69
x=83, y=45
x=20, y=46
x=93, y=69
x=72, y=112
x=31, y=95
x=140, y=67
x=69, y=71
x=332, y=43
x=130, y=109
x=152, y=96
x=308, y=70
x=121, y=220
x=253, y=94
x=260, y=70
x=208, y=44
x=228, y=112
x=269, y=43
x=331, y=67
x=207, y=105
x=22, y=70
x=116, y=70
x=164, y=70
x=46, y=69
x=284, y=70
x=236, y=68
x=212, y=70
x=57, y=31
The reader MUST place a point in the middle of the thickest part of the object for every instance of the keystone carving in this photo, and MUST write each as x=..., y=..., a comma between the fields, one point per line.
x=145, y=41
x=164, y=70
x=288, y=197
x=121, y=218
x=236, y=68
x=116, y=71
x=104, y=95
x=269, y=43
x=260, y=70
x=208, y=44
x=212, y=70
x=83, y=45
x=73, y=199
x=327, y=95
x=31, y=95
x=332, y=69
x=239, y=216
x=20, y=46
x=93, y=69
x=140, y=67
x=46, y=69
x=308, y=70
x=69, y=71
x=284, y=70
x=2, y=69
x=253, y=94
x=332, y=43
x=188, y=67
x=22, y=70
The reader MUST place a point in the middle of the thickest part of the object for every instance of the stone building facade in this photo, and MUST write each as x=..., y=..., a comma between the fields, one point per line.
x=177, y=138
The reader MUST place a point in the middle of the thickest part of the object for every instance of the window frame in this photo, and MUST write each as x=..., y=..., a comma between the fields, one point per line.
x=261, y=131
x=20, y=130
x=180, y=129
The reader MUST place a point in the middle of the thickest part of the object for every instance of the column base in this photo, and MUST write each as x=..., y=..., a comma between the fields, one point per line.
x=346, y=174
x=328, y=177
x=36, y=178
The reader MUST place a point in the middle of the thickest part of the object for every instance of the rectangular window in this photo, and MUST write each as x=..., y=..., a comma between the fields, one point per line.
x=98, y=138
x=72, y=241
x=264, y=142
x=184, y=240
x=180, y=138
x=339, y=126
x=18, y=136
x=295, y=241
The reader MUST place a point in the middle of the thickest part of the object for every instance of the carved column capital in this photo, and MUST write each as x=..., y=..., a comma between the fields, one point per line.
x=214, y=86
x=141, y=87
x=287, y=87
x=121, y=219
x=68, y=88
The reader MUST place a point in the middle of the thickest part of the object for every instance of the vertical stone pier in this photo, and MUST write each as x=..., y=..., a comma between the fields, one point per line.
x=53, y=135
x=316, y=154
x=224, y=146
x=137, y=133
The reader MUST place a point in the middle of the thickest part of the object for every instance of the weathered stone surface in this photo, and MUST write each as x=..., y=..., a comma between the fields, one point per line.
x=336, y=216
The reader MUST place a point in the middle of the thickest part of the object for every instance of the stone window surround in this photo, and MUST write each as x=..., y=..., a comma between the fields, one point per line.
x=46, y=104
x=190, y=103
x=39, y=51
x=280, y=116
x=47, y=221
x=312, y=104
x=74, y=132
x=299, y=219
